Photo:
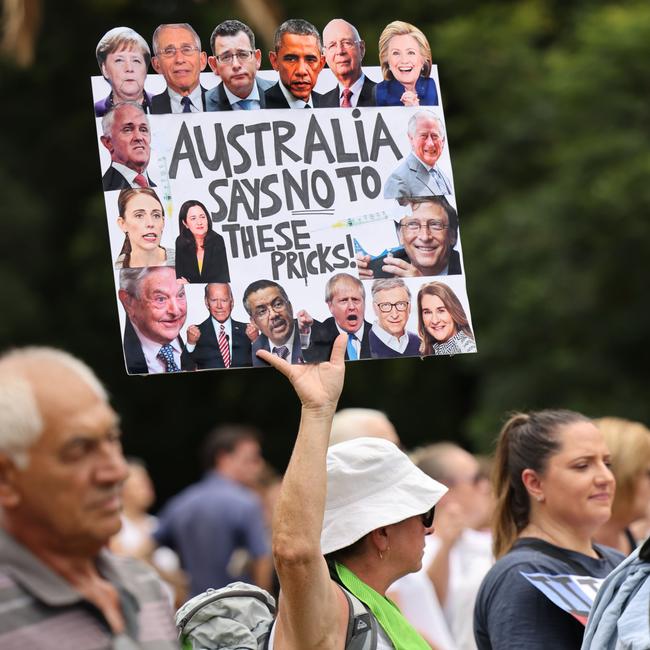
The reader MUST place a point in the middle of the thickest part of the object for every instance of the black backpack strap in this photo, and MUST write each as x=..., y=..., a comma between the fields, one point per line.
x=362, y=625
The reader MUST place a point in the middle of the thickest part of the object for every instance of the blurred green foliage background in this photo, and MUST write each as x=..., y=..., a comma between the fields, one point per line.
x=547, y=105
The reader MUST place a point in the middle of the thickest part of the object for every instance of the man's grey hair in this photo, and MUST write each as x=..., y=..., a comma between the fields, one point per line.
x=109, y=117
x=212, y=284
x=21, y=421
x=422, y=115
x=433, y=460
x=131, y=279
x=351, y=423
x=330, y=287
x=187, y=26
x=296, y=26
x=389, y=283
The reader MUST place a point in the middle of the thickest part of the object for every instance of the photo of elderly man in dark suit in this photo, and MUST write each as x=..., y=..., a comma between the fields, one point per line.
x=178, y=57
x=127, y=136
x=219, y=341
x=344, y=51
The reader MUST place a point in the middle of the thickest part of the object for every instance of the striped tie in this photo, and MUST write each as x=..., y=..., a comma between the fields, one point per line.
x=223, y=347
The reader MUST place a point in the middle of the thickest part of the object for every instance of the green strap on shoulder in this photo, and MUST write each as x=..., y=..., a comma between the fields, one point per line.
x=402, y=634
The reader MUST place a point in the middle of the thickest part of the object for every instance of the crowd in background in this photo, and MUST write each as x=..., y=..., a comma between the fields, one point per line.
x=218, y=530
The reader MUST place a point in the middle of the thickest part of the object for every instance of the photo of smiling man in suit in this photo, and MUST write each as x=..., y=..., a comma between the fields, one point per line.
x=219, y=341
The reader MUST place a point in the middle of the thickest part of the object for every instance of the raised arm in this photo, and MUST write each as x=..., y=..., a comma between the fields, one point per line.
x=313, y=612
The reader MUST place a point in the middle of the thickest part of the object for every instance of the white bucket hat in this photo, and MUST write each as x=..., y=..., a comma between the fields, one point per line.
x=370, y=484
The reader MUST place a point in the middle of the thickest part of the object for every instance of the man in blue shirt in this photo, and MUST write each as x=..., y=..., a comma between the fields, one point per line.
x=217, y=525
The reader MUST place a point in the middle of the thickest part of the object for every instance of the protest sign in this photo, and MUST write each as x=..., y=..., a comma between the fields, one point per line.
x=308, y=222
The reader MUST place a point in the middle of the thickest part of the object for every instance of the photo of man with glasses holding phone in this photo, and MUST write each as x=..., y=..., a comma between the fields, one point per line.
x=179, y=59
x=236, y=62
x=427, y=236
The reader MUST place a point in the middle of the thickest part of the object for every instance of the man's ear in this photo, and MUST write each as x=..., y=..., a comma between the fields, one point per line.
x=127, y=300
x=107, y=142
x=258, y=59
x=398, y=231
x=212, y=62
x=273, y=58
x=9, y=496
x=156, y=64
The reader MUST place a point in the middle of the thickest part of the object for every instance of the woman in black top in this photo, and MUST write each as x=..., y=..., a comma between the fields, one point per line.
x=200, y=252
x=554, y=488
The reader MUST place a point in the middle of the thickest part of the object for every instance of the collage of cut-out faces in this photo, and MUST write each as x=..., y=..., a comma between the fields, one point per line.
x=274, y=200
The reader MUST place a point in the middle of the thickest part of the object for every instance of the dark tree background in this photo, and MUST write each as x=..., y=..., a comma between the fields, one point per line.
x=547, y=106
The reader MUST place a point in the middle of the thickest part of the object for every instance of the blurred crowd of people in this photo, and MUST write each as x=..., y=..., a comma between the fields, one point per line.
x=563, y=501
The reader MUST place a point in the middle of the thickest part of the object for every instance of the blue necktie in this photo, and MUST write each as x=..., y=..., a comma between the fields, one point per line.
x=439, y=181
x=166, y=355
x=187, y=104
x=352, y=353
x=246, y=104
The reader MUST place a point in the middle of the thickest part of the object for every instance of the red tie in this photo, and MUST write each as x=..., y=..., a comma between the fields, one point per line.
x=223, y=347
x=141, y=180
x=345, y=102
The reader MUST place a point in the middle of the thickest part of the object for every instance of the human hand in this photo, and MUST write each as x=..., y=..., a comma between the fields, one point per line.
x=399, y=267
x=193, y=334
x=305, y=321
x=362, y=265
x=252, y=332
x=450, y=520
x=317, y=385
x=410, y=98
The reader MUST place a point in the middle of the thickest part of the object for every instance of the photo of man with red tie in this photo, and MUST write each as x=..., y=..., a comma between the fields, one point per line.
x=344, y=51
x=127, y=136
x=219, y=341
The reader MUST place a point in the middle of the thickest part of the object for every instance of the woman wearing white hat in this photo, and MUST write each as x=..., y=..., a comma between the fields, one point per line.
x=348, y=520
